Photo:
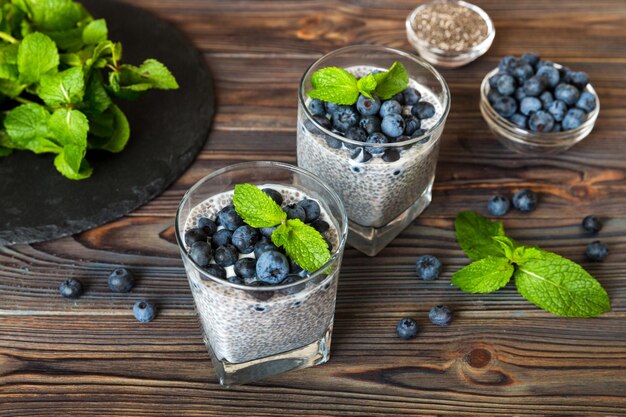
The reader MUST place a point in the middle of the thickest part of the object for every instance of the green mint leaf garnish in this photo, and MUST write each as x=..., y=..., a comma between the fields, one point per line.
x=66, y=87
x=546, y=279
x=95, y=31
x=36, y=56
x=71, y=163
x=367, y=85
x=335, y=85
x=69, y=127
x=150, y=74
x=484, y=276
x=559, y=285
x=475, y=235
x=52, y=15
x=257, y=208
x=27, y=127
x=390, y=83
x=110, y=129
x=303, y=244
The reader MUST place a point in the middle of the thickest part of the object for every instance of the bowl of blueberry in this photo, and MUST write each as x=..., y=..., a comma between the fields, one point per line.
x=535, y=106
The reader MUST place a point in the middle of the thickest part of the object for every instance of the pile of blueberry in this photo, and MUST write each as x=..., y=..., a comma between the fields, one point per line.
x=373, y=121
x=217, y=244
x=534, y=95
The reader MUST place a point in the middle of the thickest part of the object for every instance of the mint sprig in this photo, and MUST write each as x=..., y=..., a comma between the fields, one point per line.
x=336, y=85
x=547, y=280
x=303, y=244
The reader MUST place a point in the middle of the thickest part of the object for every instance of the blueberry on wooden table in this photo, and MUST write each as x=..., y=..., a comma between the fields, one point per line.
x=121, y=280
x=71, y=288
x=144, y=311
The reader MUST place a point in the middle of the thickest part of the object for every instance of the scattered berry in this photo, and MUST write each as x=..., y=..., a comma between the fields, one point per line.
x=311, y=209
x=428, y=267
x=597, y=251
x=505, y=106
x=221, y=237
x=530, y=105
x=592, y=224
x=263, y=246
x=573, y=119
x=558, y=109
x=316, y=107
x=423, y=110
x=534, y=86
x=541, y=121
x=207, y=225
x=121, y=280
x=376, y=138
x=411, y=124
x=229, y=219
x=245, y=268
x=525, y=200
x=549, y=74
x=366, y=106
x=71, y=288
x=498, y=205
x=586, y=102
x=244, y=238
x=390, y=107
x=272, y=267
x=440, y=315
x=201, y=253
x=370, y=124
x=344, y=117
x=295, y=211
x=566, y=93
x=215, y=270
x=226, y=255
x=195, y=235
x=407, y=328
x=321, y=226
x=411, y=96
x=392, y=125
x=144, y=311
x=506, y=85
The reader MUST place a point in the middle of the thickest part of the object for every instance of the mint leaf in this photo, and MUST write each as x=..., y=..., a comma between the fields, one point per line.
x=367, y=85
x=484, y=276
x=69, y=127
x=507, y=245
x=303, y=244
x=95, y=31
x=53, y=15
x=150, y=74
x=11, y=88
x=559, y=285
x=115, y=138
x=96, y=97
x=67, y=87
x=27, y=127
x=71, y=164
x=36, y=56
x=69, y=39
x=335, y=85
x=256, y=208
x=8, y=62
x=391, y=82
x=475, y=235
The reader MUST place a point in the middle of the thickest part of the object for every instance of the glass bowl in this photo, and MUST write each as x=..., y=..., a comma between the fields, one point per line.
x=534, y=143
x=449, y=59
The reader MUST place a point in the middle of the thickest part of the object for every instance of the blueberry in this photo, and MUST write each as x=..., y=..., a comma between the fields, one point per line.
x=311, y=208
x=557, y=127
x=416, y=134
x=376, y=138
x=393, y=125
x=195, y=235
x=328, y=243
x=361, y=155
x=428, y=267
x=234, y=279
x=498, y=205
x=523, y=72
x=423, y=110
x=440, y=315
x=493, y=95
x=399, y=97
x=550, y=75
x=322, y=121
x=332, y=142
x=567, y=93
x=294, y=211
x=534, y=86
x=316, y=107
x=215, y=270
x=506, y=85
x=201, y=253
x=207, y=225
x=321, y=226
x=557, y=109
x=344, y=117
x=541, y=121
x=295, y=269
x=267, y=231
x=545, y=63
x=291, y=279
x=330, y=107
x=592, y=224
x=493, y=80
x=578, y=78
x=244, y=238
x=530, y=105
x=226, y=255
x=586, y=102
x=144, y=311
x=272, y=267
x=263, y=246
x=407, y=328
x=274, y=195
x=71, y=288
x=411, y=124
x=519, y=120
x=507, y=64
x=367, y=106
x=390, y=107
x=505, y=106
x=530, y=58
x=519, y=94
x=546, y=99
x=411, y=96
x=121, y=280
x=573, y=119
x=525, y=200
x=391, y=155
x=597, y=251
x=228, y=218
x=357, y=134
x=221, y=237
x=370, y=124
x=245, y=267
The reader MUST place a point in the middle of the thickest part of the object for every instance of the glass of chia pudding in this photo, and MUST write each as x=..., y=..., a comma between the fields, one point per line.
x=384, y=176
x=261, y=314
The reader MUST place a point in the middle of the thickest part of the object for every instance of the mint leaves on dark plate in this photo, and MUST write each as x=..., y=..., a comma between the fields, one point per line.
x=546, y=279
x=59, y=74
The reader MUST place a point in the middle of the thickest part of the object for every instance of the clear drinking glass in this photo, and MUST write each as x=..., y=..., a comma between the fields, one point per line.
x=381, y=198
x=255, y=332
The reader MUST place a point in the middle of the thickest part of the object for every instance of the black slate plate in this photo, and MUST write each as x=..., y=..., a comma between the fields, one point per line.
x=168, y=129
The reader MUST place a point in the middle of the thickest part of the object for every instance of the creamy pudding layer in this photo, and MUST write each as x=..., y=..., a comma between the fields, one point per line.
x=243, y=325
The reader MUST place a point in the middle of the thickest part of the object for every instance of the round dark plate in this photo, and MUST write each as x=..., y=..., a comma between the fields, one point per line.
x=168, y=129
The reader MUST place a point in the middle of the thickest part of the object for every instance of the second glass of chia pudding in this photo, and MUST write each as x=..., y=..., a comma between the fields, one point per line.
x=261, y=314
x=383, y=169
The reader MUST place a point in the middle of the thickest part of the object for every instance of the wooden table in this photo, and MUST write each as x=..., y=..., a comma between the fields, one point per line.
x=501, y=356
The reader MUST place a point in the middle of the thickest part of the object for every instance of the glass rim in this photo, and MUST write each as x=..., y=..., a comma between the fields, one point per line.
x=343, y=233
x=419, y=61
x=546, y=139
x=491, y=29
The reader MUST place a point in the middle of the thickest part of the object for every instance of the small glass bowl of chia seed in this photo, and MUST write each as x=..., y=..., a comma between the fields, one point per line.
x=450, y=33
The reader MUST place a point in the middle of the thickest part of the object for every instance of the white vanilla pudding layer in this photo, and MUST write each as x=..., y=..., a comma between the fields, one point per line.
x=374, y=192
x=242, y=325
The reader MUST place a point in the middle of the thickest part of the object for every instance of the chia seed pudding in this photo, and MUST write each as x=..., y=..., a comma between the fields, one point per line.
x=242, y=323
x=375, y=191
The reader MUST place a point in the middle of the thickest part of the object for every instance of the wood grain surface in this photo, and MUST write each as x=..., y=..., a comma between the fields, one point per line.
x=500, y=357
